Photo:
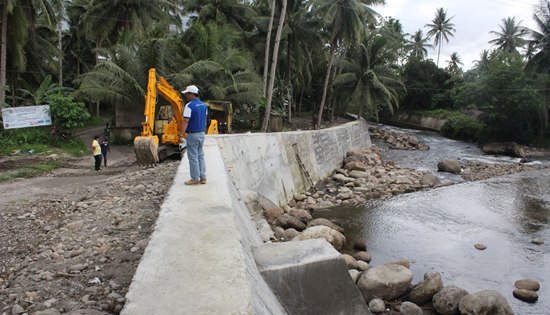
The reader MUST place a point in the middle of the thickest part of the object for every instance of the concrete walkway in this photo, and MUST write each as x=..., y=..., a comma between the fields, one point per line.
x=195, y=262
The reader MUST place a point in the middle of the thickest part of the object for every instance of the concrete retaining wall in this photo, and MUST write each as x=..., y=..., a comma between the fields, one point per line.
x=199, y=258
x=267, y=164
x=419, y=121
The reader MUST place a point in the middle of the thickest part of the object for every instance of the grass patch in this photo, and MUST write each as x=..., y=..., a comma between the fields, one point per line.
x=29, y=171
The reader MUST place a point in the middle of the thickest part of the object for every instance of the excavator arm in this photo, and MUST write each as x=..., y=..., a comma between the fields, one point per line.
x=146, y=146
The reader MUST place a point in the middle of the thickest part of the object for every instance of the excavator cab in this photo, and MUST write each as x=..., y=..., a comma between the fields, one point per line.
x=220, y=115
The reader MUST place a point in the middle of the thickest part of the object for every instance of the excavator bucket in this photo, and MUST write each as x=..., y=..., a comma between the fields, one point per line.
x=146, y=148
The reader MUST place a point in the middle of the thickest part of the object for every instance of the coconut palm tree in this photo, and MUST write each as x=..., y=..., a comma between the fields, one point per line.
x=274, y=66
x=345, y=20
x=418, y=45
x=440, y=29
x=540, y=42
x=510, y=36
x=482, y=64
x=367, y=79
x=26, y=22
x=453, y=64
x=234, y=12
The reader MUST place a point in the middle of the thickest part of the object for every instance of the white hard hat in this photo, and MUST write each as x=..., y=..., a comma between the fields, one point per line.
x=191, y=89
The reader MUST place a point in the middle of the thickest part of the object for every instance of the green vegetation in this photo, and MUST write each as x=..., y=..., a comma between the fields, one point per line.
x=29, y=171
x=321, y=57
x=462, y=128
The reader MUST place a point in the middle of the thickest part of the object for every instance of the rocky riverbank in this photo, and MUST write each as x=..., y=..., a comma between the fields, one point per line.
x=363, y=176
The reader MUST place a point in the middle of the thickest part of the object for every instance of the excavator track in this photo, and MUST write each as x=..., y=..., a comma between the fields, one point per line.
x=146, y=149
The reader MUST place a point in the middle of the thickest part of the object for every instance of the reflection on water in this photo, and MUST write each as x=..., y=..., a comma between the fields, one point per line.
x=437, y=229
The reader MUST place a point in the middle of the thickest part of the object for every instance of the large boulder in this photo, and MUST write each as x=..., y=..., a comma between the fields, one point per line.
x=424, y=291
x=386, y=282
x=446, y=301
x=504, y=148
x=287, y=221
x=486, y=302
x=335, y=238
x=449, y=166
x=429, y=179
x=325, y=222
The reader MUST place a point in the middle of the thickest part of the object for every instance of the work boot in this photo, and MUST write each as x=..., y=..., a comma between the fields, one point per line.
x=192, y=182
x=203, y=180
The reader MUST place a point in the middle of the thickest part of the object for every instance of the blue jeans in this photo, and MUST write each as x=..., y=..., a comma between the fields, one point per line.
x=195, y=154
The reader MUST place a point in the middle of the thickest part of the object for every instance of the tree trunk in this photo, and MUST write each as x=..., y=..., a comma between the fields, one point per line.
x=274, y=66
x=438, y=52
x=545, y=109
x=3, y=47
x=288, y=81
x=325, y=86
x=268, y=45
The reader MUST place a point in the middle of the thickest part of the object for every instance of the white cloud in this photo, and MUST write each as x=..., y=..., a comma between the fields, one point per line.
x=473, y=21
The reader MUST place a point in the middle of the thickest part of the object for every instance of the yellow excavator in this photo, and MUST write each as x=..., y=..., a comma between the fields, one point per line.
x=169, y=122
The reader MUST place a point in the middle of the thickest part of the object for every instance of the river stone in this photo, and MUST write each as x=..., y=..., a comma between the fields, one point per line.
x=449, y=166
x=377, y=306
x=526, y=295
x=342, y=178
x=386, y=282
x=424, y=291
x=355, y=166
x=290, y=234
x=354, y=274
x=429, y=180
x=408, y=308
x=480, y=246
x=288, y=221
x=325, y=222
x=537, y=241
x=350, y=261
x=527, y=284
x=359, y=174
x=335, y=238
x=361, y=265
x=504, y=148
x=279, y=232
x=49, y=311
x=17, y=309
x=486, y=302
x=446, y=301
x=360, y=245
x=362, y=255
x=301, y=214
x=273, y=213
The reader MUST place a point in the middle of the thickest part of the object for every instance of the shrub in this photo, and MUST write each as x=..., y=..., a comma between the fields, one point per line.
x=462, y=128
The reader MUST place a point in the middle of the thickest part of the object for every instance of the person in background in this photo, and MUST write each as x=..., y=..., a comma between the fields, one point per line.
x=96, y=151
x=105, y=148
x=194, y=124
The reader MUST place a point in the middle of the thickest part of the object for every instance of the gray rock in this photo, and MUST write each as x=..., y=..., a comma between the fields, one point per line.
x=17, y=309
x=335, y=238
x=386, y=282
x=449, y=166
x=480, y=246
x=361, y=265
x=290, y=234
x=350, y=261
x=486, y=302
x=359, y=174
x=354, y=274
x=446, y=301
x=527, y=284
x=278, y=232
x=49, y=311
x=287, y=221
x=377, y=306
x=409, y=308
x=325, y=222
x=526, y=295
x=537, y=241
x=424, y=291
x=429, y=180
x=504, y=148
x=362, y=255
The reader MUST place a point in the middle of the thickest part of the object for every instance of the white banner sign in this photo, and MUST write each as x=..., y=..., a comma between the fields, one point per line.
x=26, y=116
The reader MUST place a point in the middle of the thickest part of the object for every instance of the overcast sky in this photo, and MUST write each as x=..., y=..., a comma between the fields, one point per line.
x=472, y=19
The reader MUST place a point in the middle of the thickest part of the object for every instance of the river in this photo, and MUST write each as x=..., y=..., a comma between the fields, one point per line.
x=436, y=229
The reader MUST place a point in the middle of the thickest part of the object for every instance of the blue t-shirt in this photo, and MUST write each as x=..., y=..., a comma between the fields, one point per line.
x=196, y=111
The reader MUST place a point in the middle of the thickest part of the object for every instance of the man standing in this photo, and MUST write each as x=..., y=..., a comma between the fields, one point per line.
x=96, y=151
x=194, y=124
x=105, y=148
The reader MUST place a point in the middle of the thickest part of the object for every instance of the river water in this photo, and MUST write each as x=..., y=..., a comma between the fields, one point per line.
x=437, y=229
